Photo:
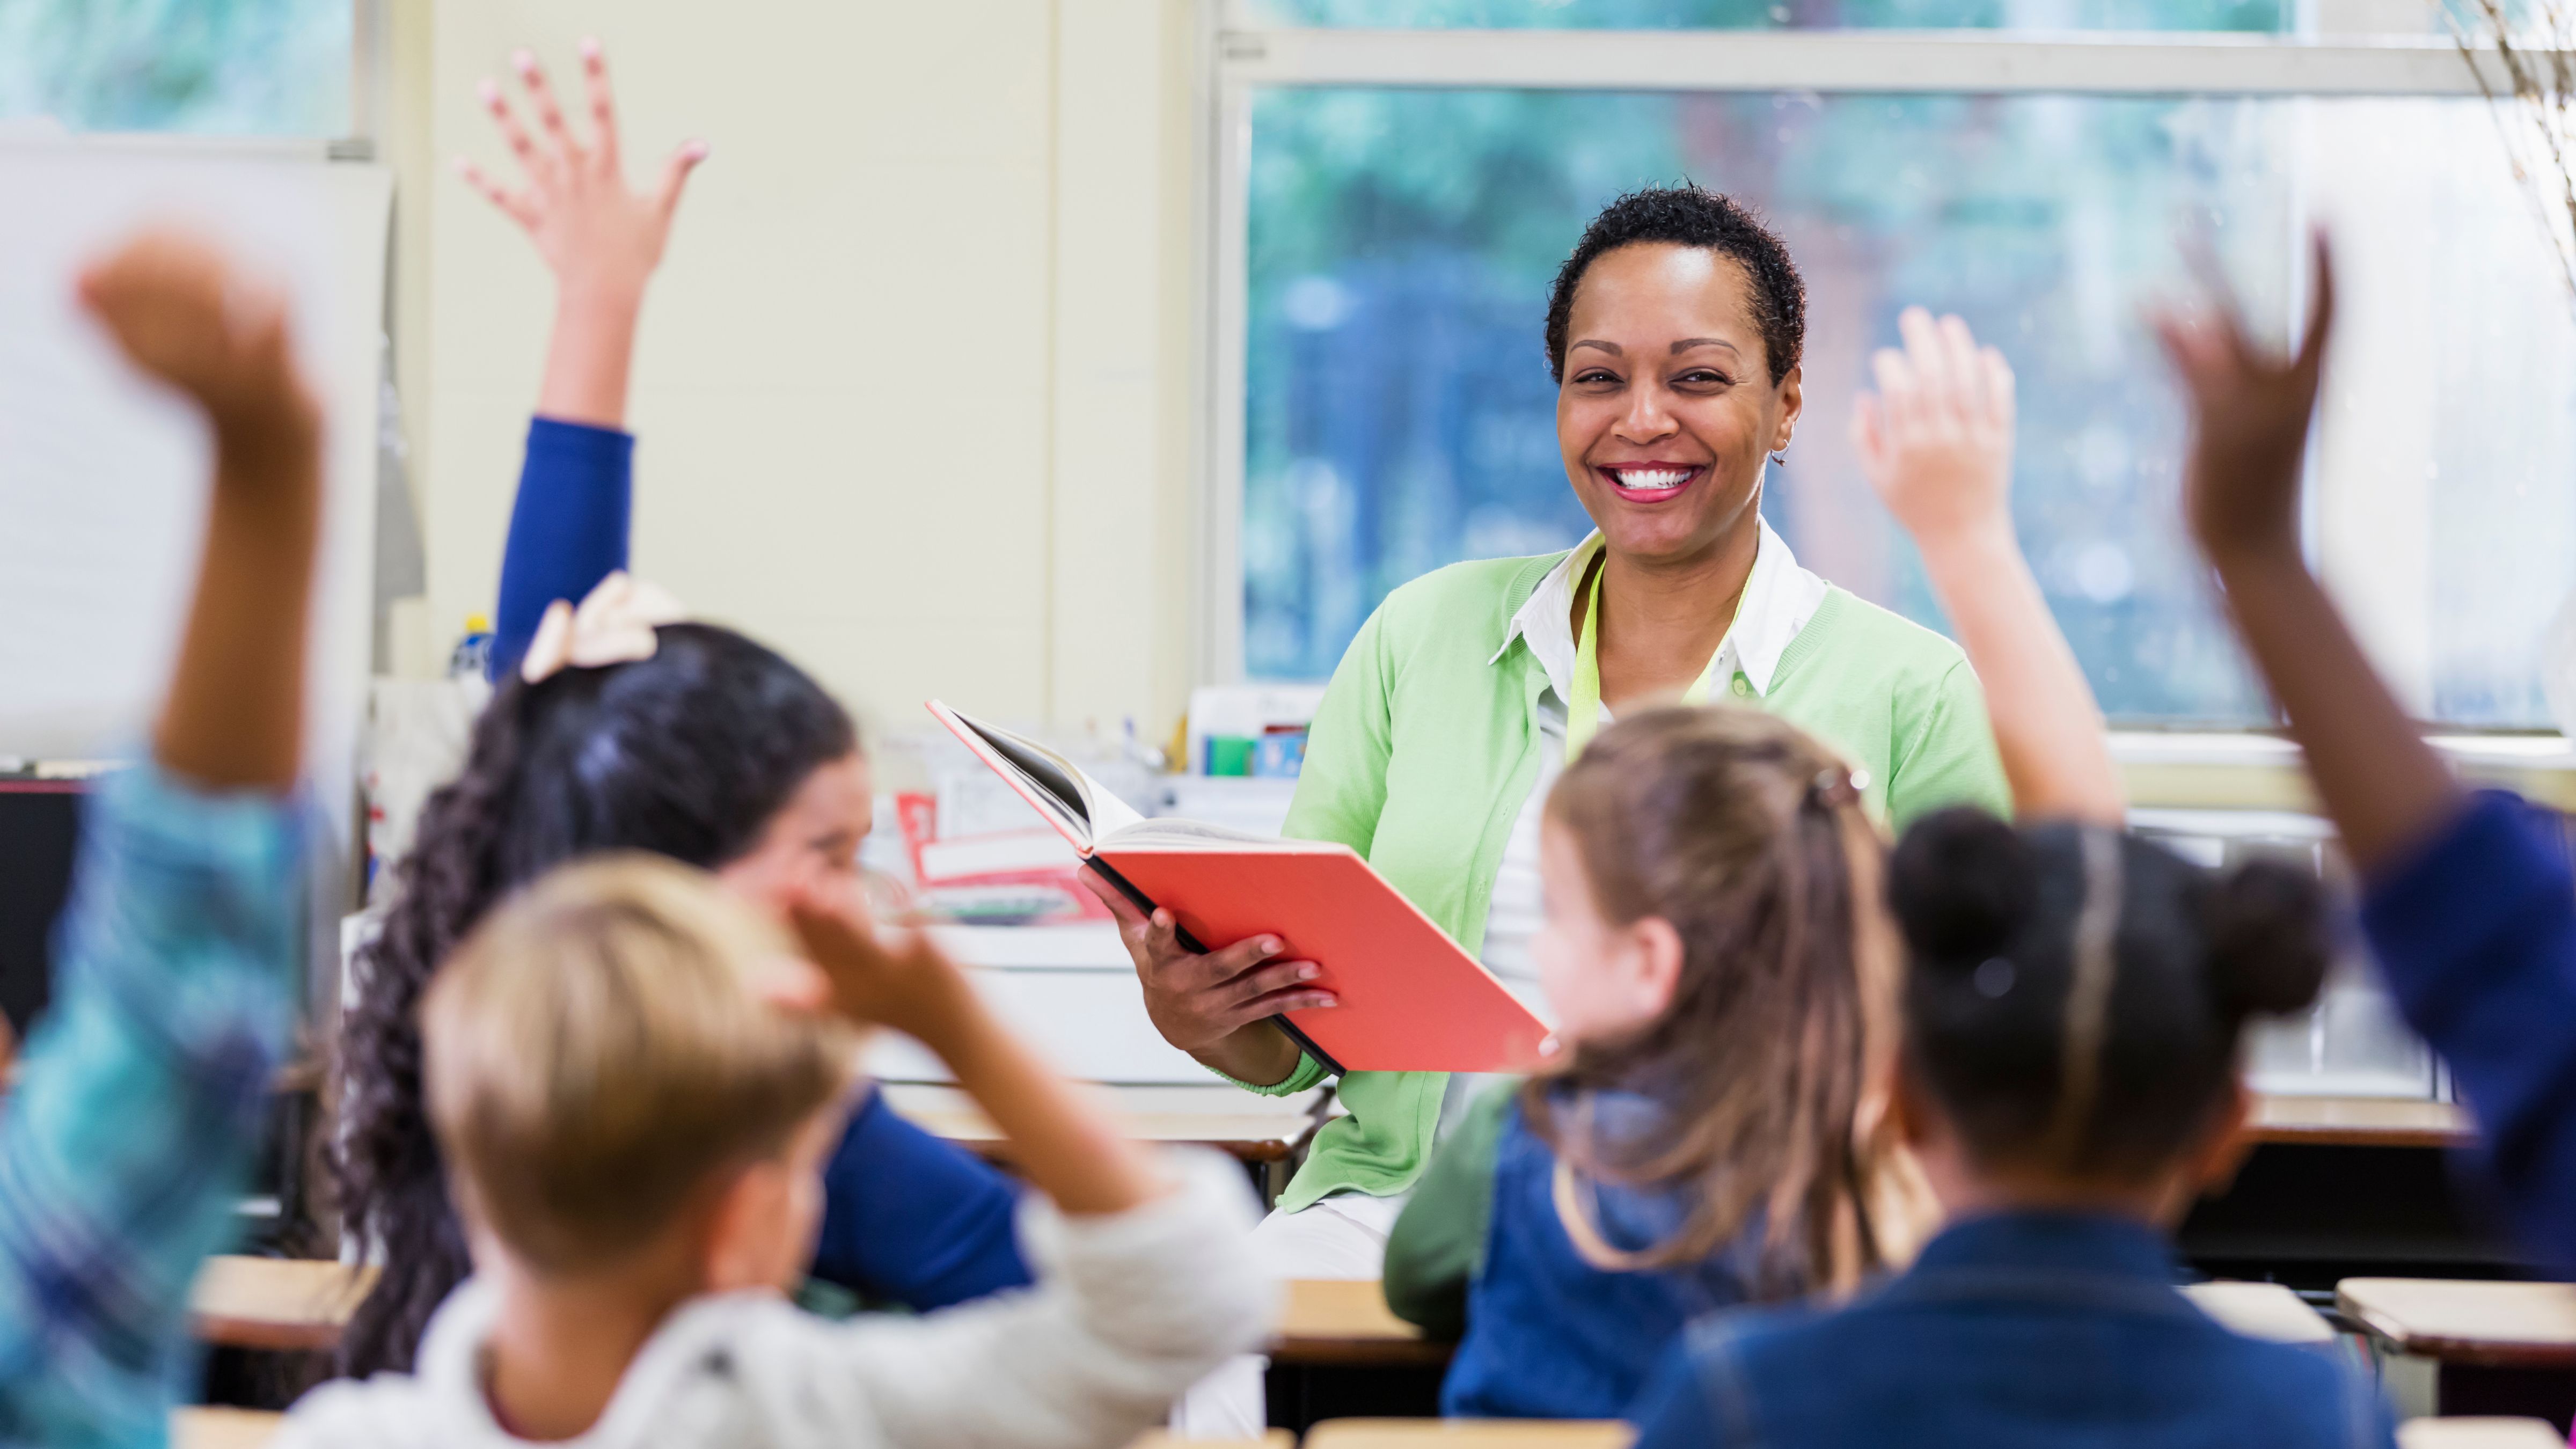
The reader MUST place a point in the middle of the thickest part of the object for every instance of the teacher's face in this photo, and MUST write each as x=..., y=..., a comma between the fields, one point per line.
x=1667, y=408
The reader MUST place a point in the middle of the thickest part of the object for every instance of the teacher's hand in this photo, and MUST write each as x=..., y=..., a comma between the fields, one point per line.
x=1216, y=1005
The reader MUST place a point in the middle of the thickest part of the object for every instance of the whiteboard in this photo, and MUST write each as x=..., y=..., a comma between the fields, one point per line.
x=103, y=477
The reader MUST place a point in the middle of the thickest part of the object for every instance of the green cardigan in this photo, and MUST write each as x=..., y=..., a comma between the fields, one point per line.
x=1426, y=746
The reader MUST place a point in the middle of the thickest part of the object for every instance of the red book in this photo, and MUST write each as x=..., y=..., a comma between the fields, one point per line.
x=1411, y=999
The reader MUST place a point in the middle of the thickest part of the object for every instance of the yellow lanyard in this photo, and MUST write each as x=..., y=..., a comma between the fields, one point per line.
x=1583, y=712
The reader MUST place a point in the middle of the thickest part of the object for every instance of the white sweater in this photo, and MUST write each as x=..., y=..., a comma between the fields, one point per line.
x=1128, y=1311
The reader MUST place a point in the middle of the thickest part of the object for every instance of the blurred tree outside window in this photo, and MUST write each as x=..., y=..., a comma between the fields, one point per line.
x=224, y=67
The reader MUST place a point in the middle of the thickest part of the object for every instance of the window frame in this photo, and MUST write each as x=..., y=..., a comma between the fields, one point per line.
x=2212, y=768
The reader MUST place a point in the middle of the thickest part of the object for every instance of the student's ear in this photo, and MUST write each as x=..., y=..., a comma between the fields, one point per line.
x=739, y=1249
x=1654, y=968
x=1908, y=1107
x=2224, y=1145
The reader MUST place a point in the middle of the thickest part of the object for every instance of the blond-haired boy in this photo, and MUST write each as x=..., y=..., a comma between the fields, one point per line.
x=634, y=1127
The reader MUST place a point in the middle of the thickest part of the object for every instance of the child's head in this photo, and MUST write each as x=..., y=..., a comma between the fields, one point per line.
x=2074, y=1001
x=715, y=752
x=610, y=1087
x=1712, y=944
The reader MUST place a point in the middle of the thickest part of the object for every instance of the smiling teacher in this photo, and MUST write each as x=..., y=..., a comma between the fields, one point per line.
x=1674, y=332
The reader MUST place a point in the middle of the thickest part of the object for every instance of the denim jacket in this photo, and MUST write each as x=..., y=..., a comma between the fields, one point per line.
x=2017, y=1329
x=1551, y=1335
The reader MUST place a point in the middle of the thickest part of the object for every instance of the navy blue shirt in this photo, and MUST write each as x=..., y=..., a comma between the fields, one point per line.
x=2018, y=1329
x=1552, y=1335
x=2476, y=930
x=908, y=1217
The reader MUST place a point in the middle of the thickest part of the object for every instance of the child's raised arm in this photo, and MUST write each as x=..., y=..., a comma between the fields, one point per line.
x=569, y=527
x=2383, y=785
x=600, y=239
x=1937, y=444
x=234, y=717
x=143, y=1090
x=2469, y=907
x=1067, y=1148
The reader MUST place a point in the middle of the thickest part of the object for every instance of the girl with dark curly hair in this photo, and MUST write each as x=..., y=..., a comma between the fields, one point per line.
x=714, y=751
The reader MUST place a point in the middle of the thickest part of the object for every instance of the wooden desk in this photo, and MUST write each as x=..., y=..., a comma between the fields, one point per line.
x=2359, y=1122
x=2496, y=1348
x=2486, y=1325
x=1228, y=1119
x=199, y=1427
x=294, y=1304
x=1327, y=1321
x=2261, y=1310
x=1470, y=1434
x=2479, y=1434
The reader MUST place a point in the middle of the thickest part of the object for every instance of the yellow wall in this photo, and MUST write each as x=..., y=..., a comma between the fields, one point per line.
x=913, y=395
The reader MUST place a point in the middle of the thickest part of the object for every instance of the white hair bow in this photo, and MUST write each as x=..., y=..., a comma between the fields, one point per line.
x=613, y=626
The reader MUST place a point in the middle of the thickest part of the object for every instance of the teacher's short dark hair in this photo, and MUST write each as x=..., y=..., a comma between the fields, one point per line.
x=1687, y=215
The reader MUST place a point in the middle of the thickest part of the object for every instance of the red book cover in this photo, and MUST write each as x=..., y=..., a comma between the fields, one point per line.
x=1411, y=999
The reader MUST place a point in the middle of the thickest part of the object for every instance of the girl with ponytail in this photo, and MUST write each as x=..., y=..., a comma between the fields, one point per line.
x=682, y=739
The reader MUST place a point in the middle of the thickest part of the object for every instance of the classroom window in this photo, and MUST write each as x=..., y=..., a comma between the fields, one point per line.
x=2139, y=15
x=227, y=67
x=1396, y=412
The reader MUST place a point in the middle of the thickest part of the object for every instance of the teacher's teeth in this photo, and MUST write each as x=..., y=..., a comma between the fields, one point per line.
x=1652, y=477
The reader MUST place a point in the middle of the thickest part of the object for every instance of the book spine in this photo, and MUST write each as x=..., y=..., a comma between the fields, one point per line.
x=1188, y=942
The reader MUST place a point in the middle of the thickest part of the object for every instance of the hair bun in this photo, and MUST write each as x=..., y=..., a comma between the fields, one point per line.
x=1961, y=883
x=2268, y=944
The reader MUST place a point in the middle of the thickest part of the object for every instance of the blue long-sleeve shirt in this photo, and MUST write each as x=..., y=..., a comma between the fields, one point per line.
x=141, y=1101
x=907, y=1216
x=2476, y=929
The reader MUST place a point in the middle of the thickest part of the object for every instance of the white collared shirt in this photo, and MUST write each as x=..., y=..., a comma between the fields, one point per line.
x=1779, y=599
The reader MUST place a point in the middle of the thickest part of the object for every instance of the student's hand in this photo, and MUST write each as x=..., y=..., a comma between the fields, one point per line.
x=1936, y=441
x=2251, y=409
x=894, y=978
x=597, y=236
x=1199, y=1001
x=234, y=715
x=184, y=315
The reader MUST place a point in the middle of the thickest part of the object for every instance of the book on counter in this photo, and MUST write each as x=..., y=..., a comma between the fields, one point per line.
x=1411, y=999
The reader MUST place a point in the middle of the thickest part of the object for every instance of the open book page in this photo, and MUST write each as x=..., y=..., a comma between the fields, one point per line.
x=1078, y=806
x=1174, y=834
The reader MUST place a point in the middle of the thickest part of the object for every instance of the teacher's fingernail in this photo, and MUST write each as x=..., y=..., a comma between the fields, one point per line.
x=1309, y=973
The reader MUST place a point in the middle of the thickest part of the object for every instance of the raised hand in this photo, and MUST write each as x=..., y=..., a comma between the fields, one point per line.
x=185, y=317
x=896, y=979
x=2251, y=409
x=1063, y=1144
x=601, y=239
x=1937, y=444
x=572, y=199
x=1937, y=439
x=235, y=712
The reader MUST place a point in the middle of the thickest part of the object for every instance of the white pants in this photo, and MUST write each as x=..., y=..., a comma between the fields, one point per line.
x=1343, y=1236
